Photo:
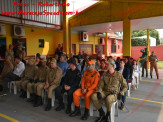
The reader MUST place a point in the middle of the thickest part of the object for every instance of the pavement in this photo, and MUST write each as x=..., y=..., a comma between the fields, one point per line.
x=145, y=105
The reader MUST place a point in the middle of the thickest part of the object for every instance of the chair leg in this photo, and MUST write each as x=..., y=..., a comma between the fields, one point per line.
x=112, y=112
x=10, y=86
x=28, y=94
x=15, y=88
x=116, y=109
x=91, y=109
x=72, y=107
x=53, y=99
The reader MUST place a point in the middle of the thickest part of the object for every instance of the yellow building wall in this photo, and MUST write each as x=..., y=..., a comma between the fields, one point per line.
x=92, y=40
x=51, y=39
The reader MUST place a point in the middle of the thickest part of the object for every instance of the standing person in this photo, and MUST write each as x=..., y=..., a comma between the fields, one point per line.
x=54, y=76
x=89, y=84
x=108, y=89
x=145, y=67
x=70, y=83
x=21, y=53
x=126, y=73
x=135, y=74
x=63, y=64
x=15, y=75
x=153, y=64
x=10, y=54
x=27, y=76
x=59, y=50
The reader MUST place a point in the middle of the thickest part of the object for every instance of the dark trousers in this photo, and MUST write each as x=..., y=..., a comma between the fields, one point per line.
x=124, y=99
x=145, y=67
x=8, y=78
x=59, y=94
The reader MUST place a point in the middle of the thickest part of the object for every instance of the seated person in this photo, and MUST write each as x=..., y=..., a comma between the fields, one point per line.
x=126, y=73
x=77, y=63
x=35, y=88
x=27, y=76
x=63, y=64
x=108, y=89
x=97, y=64
x=53, y=79
x=13, y=76
x=103, y=67
x=89, y=84
x=8, y=67
x=70, y=83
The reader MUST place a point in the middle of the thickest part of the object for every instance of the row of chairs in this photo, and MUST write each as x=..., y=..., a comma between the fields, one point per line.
x=114, y=109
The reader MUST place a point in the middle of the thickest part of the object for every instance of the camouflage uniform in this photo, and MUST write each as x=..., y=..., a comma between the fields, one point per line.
x=106, y=87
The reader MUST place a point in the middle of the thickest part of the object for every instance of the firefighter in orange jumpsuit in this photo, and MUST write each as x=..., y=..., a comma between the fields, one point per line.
x=89, y=84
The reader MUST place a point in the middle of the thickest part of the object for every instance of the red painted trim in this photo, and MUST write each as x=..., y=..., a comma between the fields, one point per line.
x=31, y=20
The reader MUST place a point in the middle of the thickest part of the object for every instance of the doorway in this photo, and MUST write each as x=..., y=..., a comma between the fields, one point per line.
x=2, y=47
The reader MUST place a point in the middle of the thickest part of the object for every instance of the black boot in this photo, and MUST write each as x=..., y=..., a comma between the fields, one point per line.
x=86, y=114
x=77, y=112
x=68, y=110
x=48, y=107
x=39, y=102
x=102, y=115
x=60, y=107
x=151, y=76
x=35, y=99
x=31, y=99
x=108, y=118
x=22, y=94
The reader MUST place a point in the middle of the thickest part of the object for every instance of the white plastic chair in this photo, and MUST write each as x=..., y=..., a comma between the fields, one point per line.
x=12, y=83
x=129, y=90
x=114, y=111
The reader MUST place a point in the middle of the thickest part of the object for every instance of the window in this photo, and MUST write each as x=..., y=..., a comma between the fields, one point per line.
x=118, y=46
x=113, y=49
x=41, y=43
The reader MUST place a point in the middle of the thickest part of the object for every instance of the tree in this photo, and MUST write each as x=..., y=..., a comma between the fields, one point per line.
x=153, y=33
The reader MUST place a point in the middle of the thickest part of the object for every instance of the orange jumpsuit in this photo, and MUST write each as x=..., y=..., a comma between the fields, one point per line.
x=89, y=81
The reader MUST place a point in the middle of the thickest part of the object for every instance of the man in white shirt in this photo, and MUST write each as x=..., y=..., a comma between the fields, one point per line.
x=15, y=75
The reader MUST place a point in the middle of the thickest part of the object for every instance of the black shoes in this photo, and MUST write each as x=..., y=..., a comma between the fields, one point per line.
x=108, y=118
x=23, y=94
x=68, y=110
x=31, y=99
x=102, y=115
x=48, y=107
x=38, y=102
x=60, y=107
x=86, y=114
x=77, y=112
